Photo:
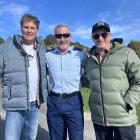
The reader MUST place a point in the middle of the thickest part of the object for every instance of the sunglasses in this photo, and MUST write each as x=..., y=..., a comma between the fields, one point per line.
x=66, y=35
x=96, y=36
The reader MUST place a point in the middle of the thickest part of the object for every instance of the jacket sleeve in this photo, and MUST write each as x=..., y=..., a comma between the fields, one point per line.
x=1, y=62
x=132, y=96
x=84, y=79
x=44, y=81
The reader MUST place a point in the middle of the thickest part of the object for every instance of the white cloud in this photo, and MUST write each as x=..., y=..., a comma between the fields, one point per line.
x=118, y=28
x=13, y=9
x=120, y=16
x=46, y=28
x=82, y=32
x=11, y=12
x=127, y=32
x=50, y=27
x=104, y=15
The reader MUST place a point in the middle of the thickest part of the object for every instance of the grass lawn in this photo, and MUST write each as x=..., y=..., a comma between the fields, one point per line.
x=86, y=93
x=138, y=113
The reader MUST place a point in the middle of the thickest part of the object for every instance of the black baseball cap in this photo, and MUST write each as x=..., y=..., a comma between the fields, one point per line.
x=99, y=25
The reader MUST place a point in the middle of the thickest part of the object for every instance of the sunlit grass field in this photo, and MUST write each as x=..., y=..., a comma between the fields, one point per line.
x=86, y=93
x=138, y=113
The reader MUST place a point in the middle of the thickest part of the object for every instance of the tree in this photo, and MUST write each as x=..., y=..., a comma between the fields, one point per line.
x=135, y=45
x=1, y=40
x=50, y=41
x=80, y=46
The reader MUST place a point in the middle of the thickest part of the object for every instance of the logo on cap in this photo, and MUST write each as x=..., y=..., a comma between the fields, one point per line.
x=100, y=23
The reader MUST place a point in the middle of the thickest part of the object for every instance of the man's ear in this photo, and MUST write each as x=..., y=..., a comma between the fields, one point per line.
x=110, y=34
x=71, y=38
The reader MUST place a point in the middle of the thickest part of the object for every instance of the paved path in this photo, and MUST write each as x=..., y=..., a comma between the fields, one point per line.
x=43, y=129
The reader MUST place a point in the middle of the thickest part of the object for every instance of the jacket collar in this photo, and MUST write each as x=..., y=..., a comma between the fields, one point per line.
x=58, y=51
x=18, y=41
x=114, y=47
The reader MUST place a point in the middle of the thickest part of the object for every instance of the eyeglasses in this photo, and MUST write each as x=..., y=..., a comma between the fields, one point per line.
x=96, y=36
x=66, y=35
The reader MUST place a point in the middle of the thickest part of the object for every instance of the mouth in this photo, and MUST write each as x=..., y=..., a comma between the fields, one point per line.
x=63, y=43
x=28, y=34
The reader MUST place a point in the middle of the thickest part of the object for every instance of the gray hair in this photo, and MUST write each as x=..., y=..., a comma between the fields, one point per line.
x=59, y=26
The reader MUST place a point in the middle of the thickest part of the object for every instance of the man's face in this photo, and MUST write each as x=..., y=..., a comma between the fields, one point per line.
x=29, y=31
x=102, y=38
x=63, y=38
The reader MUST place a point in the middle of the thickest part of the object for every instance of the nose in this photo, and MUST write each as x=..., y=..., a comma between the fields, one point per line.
x=62, y=38
x=29, y=30
x=100, y=37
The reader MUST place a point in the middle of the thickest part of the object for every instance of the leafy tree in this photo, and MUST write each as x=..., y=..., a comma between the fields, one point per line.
x=80, y=46
x=50, y=41
x=135, y=45
x=1, y=40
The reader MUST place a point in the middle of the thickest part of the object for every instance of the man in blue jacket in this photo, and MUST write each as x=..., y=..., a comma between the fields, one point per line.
x=23, y=76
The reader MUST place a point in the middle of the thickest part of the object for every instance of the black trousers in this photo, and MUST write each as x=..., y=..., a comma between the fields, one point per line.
x=115, y=133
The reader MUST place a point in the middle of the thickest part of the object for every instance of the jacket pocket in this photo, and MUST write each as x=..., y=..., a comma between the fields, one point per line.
x=9, y=90
x=124, y=104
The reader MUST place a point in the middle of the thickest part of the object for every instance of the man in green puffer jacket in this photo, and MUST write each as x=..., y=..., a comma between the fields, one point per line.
x=113, y=73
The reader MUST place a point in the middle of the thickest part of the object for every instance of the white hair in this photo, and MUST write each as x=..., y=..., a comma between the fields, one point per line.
x=59, y=26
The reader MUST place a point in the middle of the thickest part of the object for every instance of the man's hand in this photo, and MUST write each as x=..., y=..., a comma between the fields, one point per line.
x=128, y=107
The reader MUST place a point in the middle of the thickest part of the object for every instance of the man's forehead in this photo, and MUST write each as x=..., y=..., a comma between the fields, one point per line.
x=102, y=29
x=63, y=29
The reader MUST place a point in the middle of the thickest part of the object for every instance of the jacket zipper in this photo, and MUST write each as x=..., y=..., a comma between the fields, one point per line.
x=27, y=78
x=100, y=65
x=102, y=101
x=10, y=90
x=39, y=76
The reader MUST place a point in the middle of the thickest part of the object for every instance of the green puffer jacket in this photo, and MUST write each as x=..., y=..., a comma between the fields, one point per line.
x=114, y=83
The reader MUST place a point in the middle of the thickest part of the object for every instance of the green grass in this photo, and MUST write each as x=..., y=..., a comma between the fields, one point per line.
x=138, y=113
x=86, y=93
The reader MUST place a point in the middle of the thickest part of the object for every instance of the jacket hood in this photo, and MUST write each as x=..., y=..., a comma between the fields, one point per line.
x=18, y=39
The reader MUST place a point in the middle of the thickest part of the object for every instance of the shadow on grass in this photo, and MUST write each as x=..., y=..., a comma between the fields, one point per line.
x=42, y=133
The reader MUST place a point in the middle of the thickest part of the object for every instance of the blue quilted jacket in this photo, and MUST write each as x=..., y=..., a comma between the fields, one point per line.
x=14, y=74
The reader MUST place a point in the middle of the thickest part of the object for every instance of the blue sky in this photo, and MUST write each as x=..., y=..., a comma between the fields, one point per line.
x=122, y=16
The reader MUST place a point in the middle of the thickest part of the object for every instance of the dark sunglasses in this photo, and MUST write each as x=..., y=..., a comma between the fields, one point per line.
x=96, y=36
x=62, y=35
